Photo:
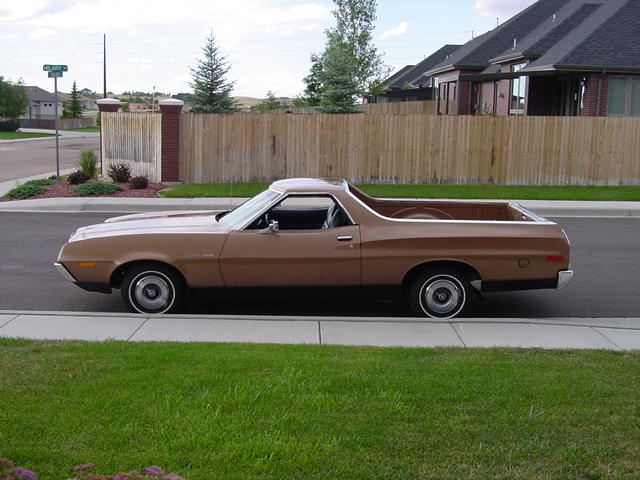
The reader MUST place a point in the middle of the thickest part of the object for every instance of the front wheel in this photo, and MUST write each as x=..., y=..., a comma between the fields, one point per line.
x=442, y=293
x=152, y=289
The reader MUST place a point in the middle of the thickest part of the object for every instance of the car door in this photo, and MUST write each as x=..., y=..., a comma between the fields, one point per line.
x=292, y=257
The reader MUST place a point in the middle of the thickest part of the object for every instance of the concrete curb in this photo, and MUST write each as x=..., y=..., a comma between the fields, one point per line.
x=137, y=205
x=558, y=333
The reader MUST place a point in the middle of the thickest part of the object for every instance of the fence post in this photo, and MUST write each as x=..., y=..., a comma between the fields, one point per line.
x=171, y=109
x=105, y=105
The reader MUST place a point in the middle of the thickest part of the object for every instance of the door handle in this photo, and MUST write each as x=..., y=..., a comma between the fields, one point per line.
x=344, y=238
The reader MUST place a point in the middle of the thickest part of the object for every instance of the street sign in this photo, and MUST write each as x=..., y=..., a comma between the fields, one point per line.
x=55, y=68
x=55, y=74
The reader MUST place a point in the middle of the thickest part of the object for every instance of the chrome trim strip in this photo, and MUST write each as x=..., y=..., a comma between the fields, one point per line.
x=564, y=277
x=64, y=272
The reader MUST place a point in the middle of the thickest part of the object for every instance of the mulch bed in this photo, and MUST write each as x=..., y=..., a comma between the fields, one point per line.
x=64, y=189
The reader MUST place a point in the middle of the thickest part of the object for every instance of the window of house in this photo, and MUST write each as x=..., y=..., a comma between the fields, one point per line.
x=624, y=97
x=518, y=91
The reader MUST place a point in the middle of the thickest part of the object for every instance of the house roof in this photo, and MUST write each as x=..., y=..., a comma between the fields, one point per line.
x=475, y=54
x=414, y=74
x=609, y=40
x=37, y=94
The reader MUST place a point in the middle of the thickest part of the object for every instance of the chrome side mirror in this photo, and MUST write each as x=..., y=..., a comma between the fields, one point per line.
x=274, y=226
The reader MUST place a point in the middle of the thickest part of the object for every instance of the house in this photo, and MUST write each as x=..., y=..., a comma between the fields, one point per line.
x=86, y=103
x=41, y=104
x=410, y=83
x=557, y=57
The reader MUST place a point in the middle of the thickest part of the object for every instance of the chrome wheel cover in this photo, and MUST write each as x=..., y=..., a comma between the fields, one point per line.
x=152, y=292
x=442, y=296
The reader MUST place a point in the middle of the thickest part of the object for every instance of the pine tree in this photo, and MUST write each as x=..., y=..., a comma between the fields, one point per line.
x=339, y=86
x=269, y=103
x=74, y=105
x=211, y=90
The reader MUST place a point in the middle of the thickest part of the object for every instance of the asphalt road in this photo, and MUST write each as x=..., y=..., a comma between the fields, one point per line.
x=606, y=259
x=25, y=159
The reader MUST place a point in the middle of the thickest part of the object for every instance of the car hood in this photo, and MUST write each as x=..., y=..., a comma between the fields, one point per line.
x=175, y=222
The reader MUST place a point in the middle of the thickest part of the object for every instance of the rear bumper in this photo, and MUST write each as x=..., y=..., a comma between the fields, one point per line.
x=564, y=277
x=558, y=283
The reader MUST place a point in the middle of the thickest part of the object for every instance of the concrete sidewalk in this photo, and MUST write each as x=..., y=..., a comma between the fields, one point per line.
x=562, y=333
x=549, y=208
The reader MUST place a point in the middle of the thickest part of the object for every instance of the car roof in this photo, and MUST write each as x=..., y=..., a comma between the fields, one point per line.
x=307, y=185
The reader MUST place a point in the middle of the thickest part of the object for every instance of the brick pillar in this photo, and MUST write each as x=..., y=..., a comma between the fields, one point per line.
x=106, y=105
x=171, y=109
x=596, y=96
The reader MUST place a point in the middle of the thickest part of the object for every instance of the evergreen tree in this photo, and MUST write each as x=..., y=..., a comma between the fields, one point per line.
x=74, y=105
x=339, y=86
x=269, y=103
x=211, y=90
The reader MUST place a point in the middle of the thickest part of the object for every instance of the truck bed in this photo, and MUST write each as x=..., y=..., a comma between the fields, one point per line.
x=448, y=210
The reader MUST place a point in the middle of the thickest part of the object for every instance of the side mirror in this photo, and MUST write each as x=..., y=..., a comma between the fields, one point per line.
x=274, y=226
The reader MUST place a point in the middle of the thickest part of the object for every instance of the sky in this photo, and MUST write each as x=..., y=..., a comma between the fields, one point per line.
x=266, y=42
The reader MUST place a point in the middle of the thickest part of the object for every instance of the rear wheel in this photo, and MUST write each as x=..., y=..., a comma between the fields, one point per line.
x=441, y=293
x=152, y=289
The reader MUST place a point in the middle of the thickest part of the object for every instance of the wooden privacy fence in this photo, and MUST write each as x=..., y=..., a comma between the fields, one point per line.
x=393, y=108
x=411, y=149
x=134, y=139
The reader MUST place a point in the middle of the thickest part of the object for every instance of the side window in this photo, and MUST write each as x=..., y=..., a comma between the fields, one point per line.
x=304, y=212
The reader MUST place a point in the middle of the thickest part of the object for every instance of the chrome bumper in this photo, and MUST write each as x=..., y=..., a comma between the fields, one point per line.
x=564, y=277
x=64, y=272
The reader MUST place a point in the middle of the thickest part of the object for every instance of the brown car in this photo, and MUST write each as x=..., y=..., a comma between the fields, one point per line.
x=322, y=232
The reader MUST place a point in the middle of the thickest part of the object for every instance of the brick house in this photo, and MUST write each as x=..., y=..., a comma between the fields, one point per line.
x=557, y=57
x=410, y=83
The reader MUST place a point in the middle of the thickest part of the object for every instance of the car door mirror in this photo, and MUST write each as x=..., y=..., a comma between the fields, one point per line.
x=274, y=226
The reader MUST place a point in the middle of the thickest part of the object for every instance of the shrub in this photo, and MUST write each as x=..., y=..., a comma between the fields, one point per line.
x=29, y=189
x=140, y=182
x=97, y=188
x=78, y=177
x=9, y=125
x=120, y=172
x=88, y=163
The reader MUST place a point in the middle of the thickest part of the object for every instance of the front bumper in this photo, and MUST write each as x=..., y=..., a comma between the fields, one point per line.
x=564, y=277
x=64, y=272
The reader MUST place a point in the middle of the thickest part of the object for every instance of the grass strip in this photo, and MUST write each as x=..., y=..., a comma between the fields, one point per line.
x=208, y=411
x=19, y=135
x=526, y=192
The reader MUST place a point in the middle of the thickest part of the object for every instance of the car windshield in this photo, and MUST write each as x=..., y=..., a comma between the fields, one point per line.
x=249, y=209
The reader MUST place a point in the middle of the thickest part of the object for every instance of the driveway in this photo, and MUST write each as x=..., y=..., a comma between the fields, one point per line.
x=35, y=157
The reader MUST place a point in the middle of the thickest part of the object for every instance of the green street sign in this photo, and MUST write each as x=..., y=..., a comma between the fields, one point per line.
x=55, y=68
x=55, y=74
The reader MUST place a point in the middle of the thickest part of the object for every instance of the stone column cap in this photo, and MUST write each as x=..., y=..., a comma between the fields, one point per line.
x=171, y=101
x=108, y=101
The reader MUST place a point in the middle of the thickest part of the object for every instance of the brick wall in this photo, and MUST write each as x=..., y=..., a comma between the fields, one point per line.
x=596, y=83
x=170, y=142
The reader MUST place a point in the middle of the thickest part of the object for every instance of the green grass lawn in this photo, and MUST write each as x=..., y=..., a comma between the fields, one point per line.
x=17, y=135
x=530, y=192
x=84, y=129
x=209, y=411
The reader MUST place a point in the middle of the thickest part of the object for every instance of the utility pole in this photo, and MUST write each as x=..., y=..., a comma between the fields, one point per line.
x=104, y=64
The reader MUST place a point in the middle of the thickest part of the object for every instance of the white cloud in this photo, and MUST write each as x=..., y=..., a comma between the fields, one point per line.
x=11, y=11
x=42, y=34
x=9, y=36
x=398, y=31
x=501, y=8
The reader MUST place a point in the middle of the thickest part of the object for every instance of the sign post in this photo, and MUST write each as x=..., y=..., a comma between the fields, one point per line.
x=55, y=72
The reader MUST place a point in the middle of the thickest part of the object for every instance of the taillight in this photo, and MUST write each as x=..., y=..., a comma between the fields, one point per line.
x=555, y=258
